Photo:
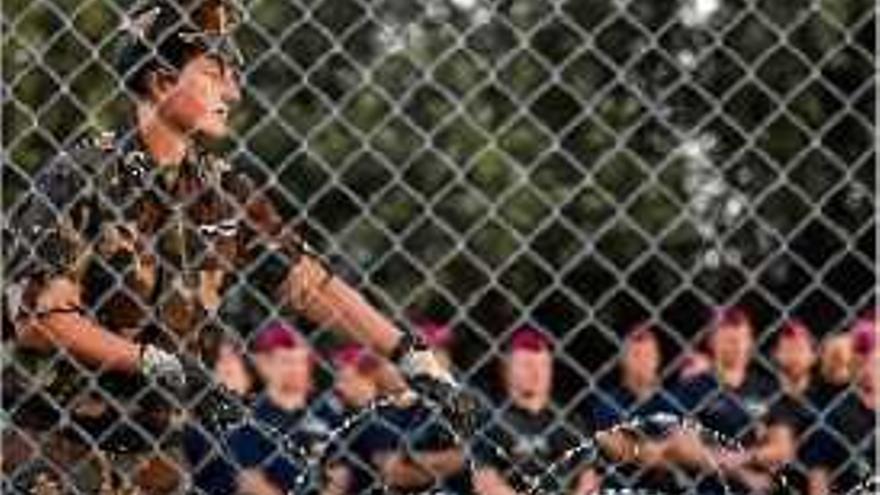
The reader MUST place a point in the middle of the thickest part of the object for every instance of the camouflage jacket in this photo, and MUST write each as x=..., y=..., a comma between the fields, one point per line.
x=161, y=254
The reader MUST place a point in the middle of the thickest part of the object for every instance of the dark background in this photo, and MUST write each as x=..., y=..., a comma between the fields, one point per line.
x=530, y=168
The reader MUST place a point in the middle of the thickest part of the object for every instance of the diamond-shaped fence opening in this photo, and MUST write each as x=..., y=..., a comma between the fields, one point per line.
x=676, y=198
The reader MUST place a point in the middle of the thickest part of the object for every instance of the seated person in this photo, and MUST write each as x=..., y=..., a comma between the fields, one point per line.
x=796, y=408
x=634, y=392
x=403, y=445
x=223, y=407
x=527, y=435
x=355, y=387
x=731, y=399
x=275, y=448
x=841, y=454
x=836, y=364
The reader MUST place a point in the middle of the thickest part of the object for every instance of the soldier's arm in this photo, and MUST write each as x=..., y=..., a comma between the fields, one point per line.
x=254, y=482
x=588, y=482
x=313, y=291
x=58, y=323
x=419, y=469
x=310, y=287
x=488, y=481
x=327, y=300
x=399, y=472
x=49, y=236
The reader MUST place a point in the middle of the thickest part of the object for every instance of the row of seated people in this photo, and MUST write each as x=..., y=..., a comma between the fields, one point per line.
x=798, y=420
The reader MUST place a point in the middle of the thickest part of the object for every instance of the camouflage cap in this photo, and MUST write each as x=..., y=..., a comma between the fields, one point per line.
x=165, y=33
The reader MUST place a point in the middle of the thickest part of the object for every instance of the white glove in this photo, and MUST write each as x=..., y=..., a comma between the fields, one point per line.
x=423, y=362
x=162, y=365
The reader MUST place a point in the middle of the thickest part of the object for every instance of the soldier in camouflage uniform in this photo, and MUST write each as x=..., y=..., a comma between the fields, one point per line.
x=130, y=245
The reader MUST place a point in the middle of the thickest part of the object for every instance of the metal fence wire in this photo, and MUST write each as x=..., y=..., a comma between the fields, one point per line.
x=580, y=167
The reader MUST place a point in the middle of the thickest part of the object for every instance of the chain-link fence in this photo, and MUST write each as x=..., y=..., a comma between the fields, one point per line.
x=578, y=166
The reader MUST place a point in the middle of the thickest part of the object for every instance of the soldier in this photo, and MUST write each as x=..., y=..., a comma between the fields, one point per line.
x=223, y=405
x=290, y=425
x=128, y=245
x=525, y=444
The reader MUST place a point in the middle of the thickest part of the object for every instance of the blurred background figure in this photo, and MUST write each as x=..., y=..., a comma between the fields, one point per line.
x=737, y=390
x=733, y=399
x=836, y=361
x=230, y=387
x=795, y=354
x=355, y=388
x=286, y=427
x=798, y=404
x=440, y=337
x=401, y=444
x=841, y=455
x=634, y=391
x=354, y=381
x=527, y=434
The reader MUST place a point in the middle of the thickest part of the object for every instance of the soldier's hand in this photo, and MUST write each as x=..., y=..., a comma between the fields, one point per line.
x=162, y=366
x=424, y=362
x=429, y=378
x=458, y=406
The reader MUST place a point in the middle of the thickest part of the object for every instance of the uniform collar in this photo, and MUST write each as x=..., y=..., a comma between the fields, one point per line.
x=136, y=154
x=268, y=411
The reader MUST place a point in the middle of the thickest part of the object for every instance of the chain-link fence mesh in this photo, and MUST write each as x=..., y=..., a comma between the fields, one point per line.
x=580, y=166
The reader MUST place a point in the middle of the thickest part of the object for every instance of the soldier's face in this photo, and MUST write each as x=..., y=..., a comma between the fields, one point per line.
x=201, y=96
x=231, y=370
x=795, y=354
x=837, y=359
x=287, y=371
x=354, y=386
x=529, y=374
x=732, y=344
x=641, y=358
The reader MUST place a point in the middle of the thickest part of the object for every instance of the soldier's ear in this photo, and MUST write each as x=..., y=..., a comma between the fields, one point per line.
x=159, y=83
x=262, y=367
x=503, y=370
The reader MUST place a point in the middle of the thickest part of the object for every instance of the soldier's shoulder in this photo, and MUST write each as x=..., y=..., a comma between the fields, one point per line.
x=72, y=172
x=85, y=152
x=75, y=162
x=97, y=141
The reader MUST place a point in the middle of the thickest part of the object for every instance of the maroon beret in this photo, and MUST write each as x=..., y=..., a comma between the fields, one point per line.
x=353, y=355
x=276, y=335
x=435, y=334
x=527, y=338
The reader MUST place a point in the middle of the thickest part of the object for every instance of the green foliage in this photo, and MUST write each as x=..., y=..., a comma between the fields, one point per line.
x=459, y=150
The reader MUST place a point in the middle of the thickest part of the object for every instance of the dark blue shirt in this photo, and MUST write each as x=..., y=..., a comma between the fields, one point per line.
x=355, y=437
x=530, y=448
x=408, y=430
x=204, y=441
x=613, y=404
x=845, y=443
x=287, y=445
x=733, y=412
